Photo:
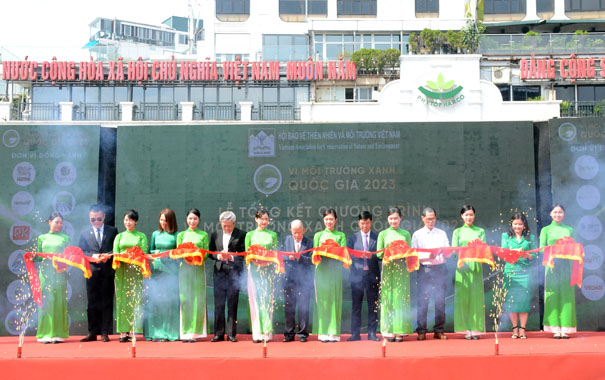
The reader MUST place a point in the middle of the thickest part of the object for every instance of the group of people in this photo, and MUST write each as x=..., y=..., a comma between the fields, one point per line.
x=172, y=306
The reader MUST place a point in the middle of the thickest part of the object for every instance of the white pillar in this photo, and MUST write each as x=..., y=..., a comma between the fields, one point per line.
x=127, y=108
x=187, y=111
x=332, y=10
x=532, y=11
x=305, y=111
x=246, y=111
x=67, y=109
x=5, y=111
x=560, y=11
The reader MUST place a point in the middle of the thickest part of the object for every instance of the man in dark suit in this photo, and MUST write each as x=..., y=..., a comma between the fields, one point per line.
x=96, y=241
x=298, y=282
x=365, y=277
x=227, y=272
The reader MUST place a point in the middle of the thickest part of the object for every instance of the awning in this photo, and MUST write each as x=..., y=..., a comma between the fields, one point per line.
x=90, y=44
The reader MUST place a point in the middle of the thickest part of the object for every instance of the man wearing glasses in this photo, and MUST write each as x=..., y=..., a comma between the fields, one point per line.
x=96, y=241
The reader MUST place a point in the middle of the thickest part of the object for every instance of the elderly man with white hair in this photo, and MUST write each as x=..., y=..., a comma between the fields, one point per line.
x=227, y=272
x=298, y=284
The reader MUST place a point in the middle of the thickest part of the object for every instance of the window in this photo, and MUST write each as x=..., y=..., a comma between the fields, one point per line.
x=232, y=10
x=427, y=6
x=522, y=93
x=232, y=57
x=332, y=46
x=285, y=47
x=297, y=7
x=545, y=6
x=359, y=94
x=591, y=93
x=356, y=7
x=584, y=5
x=504, y=6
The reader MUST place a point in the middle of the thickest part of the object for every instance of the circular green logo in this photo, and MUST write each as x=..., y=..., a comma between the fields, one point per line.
x=10, y=138
x=567, y=131
x=267, y=179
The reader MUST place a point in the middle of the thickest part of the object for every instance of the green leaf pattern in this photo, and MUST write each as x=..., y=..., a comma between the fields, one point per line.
x=441, y=84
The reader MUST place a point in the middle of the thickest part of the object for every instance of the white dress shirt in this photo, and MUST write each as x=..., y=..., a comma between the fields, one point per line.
x=425, y=238
x=226, y=238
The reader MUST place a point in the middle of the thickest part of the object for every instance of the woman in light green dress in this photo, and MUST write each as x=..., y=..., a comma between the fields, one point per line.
x=469, y=303
x=53, y=321
x=559, y=296
x=129, y=280
x=395, y=311
x=328, y=282
x=192, y=283
x=162, y=289
x=517, y=276
x=261, y=280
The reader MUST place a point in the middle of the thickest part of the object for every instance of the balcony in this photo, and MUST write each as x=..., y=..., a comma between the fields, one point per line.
x=583, y=108
x=542, y=44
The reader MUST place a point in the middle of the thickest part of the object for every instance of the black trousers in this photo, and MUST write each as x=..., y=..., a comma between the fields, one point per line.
x=226, y=288
x=298, y=288
x=369, y=284
x=99, y=291
x=431, y=283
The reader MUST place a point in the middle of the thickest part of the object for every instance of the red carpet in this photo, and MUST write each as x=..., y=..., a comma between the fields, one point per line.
x=538, y=357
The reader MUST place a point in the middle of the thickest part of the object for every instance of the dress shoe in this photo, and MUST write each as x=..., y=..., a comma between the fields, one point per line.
x=217, y=338
x=256, y=341
x=421, y=336
x=303, y=339
x=232, y=339
x=399, y=339
x=392, y=340
x=440, y=335
x=89, y=338
x=289, y=339
x=353, y=338
x=373, y=337
x=124, y=339
x=105, y=338
x=475, y=337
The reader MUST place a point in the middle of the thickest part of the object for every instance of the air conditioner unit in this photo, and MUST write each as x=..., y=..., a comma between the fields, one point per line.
x=500, y=74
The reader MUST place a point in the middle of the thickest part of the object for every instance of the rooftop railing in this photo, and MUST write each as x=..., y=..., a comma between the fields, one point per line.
x=541, y=44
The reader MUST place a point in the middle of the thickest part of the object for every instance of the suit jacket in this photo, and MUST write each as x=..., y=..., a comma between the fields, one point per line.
x=355, y=241
x=88, y=242
x=237, y=243
x=304, y=263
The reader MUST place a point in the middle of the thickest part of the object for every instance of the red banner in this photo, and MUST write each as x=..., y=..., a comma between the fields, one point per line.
x=187, y=251
x=400, y=249
x=332, y=250
x=134, y=256
x=262, y=257
x=566, y=248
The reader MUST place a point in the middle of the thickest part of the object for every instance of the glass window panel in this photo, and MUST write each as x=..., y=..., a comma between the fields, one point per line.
x=197, y=94
x=239, y=94
x=382, y=38
x=270, y=53
x=300, y=53
x=319, y=38
x=284, y=40
x=77, y=94
x=49, y=94
x=180, y=94
x=107, y=95
x=545, y=5
x=255, y=95
x=348, y=38
x=565, y=93
x=319, y=49
x=505, y=91
x=333, y=51
x=270, y=94
x=599, y=93
x=167, y=94
x=522, y=93
x=318, y=7
x=210, y=94
x=151, y=94
x=586, y=93
x=591, y=5
x=137, y=94
x=269, y=39
x=300, y=40
x=334, y=38
x=286, y=94
x=302, y=94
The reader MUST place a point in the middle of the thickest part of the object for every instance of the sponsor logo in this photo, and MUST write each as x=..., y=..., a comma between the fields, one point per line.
x=18, y=292
x=20, y=233
x=267, y=179
x=10, y=138
x=16, y=263
x=22, y=203
x=17, y=319
x=65, y=173
x=593, y=287
x=590, y=227
x=440, y=93
x=567, y=131
x=24, y=173
x=593, y=258
x=261, y=142
x=64, y=202
x=586, y=167
x=588, y=197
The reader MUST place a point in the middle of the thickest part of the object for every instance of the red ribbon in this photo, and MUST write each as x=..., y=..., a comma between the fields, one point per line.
x=399, y=249
x=261, y=256
x=332, y=250
x=134, y=256
x=566, y=248
x=187, y=251
x=71, y=256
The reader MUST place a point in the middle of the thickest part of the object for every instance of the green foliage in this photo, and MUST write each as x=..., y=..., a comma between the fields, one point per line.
x=536, y=99
x=414, y=42
x=470, y=35
x=599, y=108
x=532, y=33
x=454, y=40
x=375, y=61
x=581, y=33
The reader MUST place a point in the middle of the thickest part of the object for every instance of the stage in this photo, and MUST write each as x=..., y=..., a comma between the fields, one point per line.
x=539, y=356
